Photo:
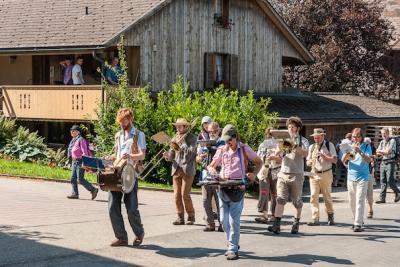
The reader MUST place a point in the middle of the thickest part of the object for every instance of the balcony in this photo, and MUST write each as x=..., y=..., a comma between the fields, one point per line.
x=50, y=102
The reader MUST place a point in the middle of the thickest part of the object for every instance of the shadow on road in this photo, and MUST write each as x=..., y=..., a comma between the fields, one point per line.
x=26, y=248
x=199, y=252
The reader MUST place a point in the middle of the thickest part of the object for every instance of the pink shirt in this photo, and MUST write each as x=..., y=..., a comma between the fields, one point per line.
x=229, y=161
x=79, y=149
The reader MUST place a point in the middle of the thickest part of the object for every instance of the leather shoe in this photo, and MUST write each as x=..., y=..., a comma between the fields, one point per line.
x=119, y=243
x=138, y=240
x=380, y=201
x=397, y=198
x=73, y=196
x=209, y=228
x=94, y=193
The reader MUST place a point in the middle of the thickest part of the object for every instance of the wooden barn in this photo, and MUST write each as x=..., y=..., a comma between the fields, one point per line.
x=243, y=44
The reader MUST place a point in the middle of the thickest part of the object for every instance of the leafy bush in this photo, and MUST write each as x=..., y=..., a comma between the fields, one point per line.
x=25, y=146
x=7, y=129
x=251, y=116
x=56, y=158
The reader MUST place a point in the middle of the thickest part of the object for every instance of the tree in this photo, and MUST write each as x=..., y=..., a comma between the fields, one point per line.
x=347, y=38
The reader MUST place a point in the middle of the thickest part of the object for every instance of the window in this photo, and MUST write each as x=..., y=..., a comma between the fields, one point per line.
x=221, y=69
x=221, y=13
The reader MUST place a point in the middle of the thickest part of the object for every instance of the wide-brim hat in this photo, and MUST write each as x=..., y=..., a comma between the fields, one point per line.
x=318, y=131
x=181, y=121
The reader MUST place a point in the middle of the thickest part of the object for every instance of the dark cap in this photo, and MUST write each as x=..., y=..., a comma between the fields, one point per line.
x=76, y=128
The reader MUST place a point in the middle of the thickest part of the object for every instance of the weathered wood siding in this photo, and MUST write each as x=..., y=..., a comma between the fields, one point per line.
x=175, y=39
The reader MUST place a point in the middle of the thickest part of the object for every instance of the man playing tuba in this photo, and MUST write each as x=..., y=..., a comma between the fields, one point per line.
x=183, y=156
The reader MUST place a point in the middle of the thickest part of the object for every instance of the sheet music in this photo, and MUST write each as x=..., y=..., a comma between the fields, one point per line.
x=345, y=148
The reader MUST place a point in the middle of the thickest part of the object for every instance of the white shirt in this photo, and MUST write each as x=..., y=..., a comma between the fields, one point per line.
x=75, y=70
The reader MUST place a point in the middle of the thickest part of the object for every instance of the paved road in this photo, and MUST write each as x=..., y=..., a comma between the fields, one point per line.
x=40, y=227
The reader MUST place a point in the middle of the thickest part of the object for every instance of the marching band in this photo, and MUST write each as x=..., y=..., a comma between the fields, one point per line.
x=225, y=172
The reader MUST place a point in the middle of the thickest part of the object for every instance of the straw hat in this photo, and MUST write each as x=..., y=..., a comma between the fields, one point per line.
x=181, y=121
x=318, y=131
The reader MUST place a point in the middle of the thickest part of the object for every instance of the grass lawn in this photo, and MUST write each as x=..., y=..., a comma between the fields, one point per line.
x=16, y=168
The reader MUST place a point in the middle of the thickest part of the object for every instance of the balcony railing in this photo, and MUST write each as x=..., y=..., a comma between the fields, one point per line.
x=48, y=102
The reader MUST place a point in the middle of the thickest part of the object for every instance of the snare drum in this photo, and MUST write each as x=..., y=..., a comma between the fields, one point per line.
x=120, y=178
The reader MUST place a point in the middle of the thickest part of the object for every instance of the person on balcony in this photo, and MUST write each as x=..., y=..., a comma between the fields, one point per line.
x=67, y=72
x=77, y=148
x=113, y=72
x=77, y=75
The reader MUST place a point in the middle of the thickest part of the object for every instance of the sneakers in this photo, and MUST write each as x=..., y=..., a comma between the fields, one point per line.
x=313, y=223
x=357, y=228
x=190, y=220
x=94, y=193
x=397, y=198
x=370, y=214
x=119, y=243
x=380, y=201
x=73, y=196
x=231, y=255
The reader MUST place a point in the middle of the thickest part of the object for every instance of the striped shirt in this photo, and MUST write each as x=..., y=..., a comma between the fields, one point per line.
x=384, y=145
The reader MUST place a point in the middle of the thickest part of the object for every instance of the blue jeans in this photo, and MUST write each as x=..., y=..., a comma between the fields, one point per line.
x=230, y=218
x=131, y=204
x=78, y=174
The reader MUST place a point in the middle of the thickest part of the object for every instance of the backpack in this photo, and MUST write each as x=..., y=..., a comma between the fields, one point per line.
x=397, y=147
x=79, y=139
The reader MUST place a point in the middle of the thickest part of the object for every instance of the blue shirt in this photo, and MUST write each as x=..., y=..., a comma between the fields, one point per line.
x=113, y=73
x=358, y=169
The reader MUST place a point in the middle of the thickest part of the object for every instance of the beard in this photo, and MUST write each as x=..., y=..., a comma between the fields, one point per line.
x=214, y=137
x=126, y=127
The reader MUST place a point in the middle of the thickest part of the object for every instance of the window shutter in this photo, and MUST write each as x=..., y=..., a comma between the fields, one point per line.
x=234, y=71
x=227, y=70
x=225, y=10
x=208, y=71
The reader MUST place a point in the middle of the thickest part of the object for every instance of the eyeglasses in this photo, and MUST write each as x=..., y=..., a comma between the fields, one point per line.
x=213, y=132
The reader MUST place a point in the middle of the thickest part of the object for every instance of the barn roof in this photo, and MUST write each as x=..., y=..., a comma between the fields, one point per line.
x=46, y=25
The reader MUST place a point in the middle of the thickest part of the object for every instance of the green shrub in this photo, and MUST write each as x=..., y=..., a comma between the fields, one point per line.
x=56, y=158
x=251, y=116
x=7, y=129
x=25, y=146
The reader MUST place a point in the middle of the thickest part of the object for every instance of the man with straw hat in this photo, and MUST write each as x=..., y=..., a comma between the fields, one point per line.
x=321, y=156
x=183, y=158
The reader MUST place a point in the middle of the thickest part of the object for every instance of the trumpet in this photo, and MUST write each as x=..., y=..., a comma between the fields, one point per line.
x=351, y=155
x=166, y=141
